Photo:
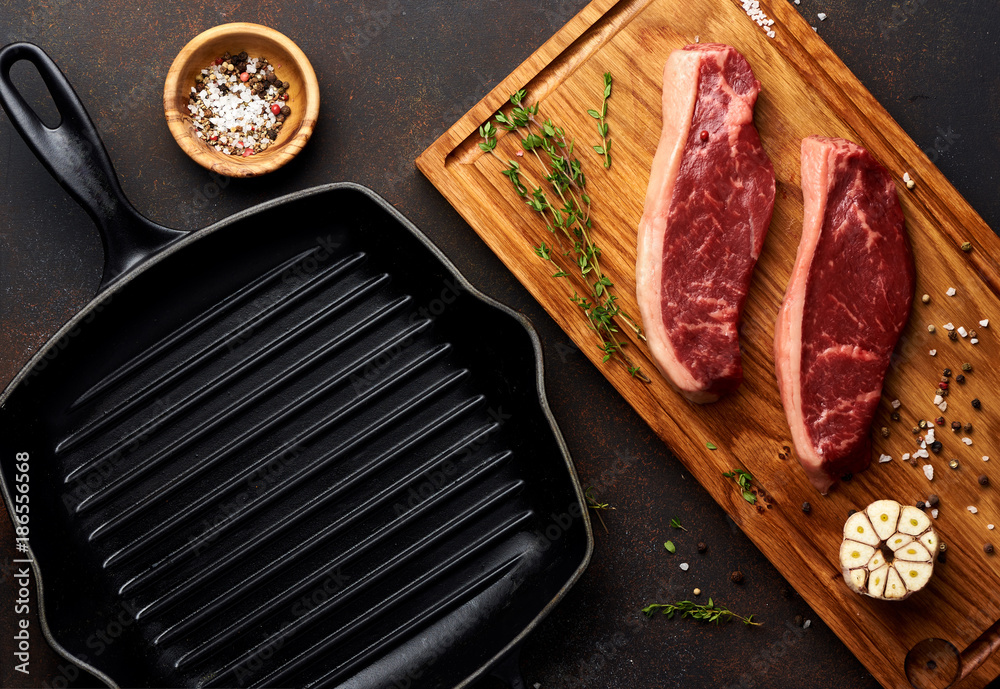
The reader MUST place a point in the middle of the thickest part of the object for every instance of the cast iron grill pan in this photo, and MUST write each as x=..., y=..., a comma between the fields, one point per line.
x=295, y=449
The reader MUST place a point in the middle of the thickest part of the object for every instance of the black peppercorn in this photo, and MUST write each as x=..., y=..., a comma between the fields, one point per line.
x=916, y=429
x=967, y=427
x=976, y=404
x=921, y=505
x=939, y=421
x=285, y=85
x=984, y=480
x=736, y=577
x=243, y=56
x=947, y=372
x=806, y=507
x=884, y=431
x=851, y=513
x=952, y=335
x=936, y=446
x=702, y=547
x=894, y=416
x=956, y=426
x=272, y=134
x=988, y=548
x=226, y=56
x=798, y=620
x=285, y=110
x=933, y=500
x=966, y=367
x=960, y=379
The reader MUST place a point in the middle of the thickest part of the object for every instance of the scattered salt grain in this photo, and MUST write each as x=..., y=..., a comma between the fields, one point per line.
x=753, y=10
x=962, y=331
x=930, y=435
x=948, y=326
x=972, y=508
x=906, y=456
x=974, y=340
x=684, y=566
x=822, y=16
x=815, y=29
x=938, y=399
x=807, y=624
x=896, y=404
x=986, y=458
x=985, y=323
x=967, y=441
x=886, y=458
x=990, y=527
x=923, y=454
x=935, y=513
x=929, y=471
x=951, y=292
x=933, y=352
x=943, y=406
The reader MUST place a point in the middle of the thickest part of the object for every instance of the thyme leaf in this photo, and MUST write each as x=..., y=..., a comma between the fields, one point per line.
x=709, y=612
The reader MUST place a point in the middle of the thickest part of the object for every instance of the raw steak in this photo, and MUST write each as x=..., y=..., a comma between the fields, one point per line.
x=708, y=205
x=847, y=303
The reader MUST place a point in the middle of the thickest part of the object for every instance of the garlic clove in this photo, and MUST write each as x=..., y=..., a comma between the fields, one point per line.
x=854, y=554
x=884, y=515
x=876, y=581
x=913, y=552
x=894, y=586
x=858, y=528
x=915, y=575
x=913, y=521
x=857, y=581
x=898, y=541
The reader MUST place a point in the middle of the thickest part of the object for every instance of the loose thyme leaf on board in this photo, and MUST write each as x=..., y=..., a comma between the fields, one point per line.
x=602, y=126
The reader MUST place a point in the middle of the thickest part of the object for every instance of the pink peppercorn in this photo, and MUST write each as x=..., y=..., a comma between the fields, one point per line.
x=284, y=96
x=244, y=77
x=943, y=386
x=218, y=60
x=276, y=109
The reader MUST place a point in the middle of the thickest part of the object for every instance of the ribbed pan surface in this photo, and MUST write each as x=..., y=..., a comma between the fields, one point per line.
x=320, y=469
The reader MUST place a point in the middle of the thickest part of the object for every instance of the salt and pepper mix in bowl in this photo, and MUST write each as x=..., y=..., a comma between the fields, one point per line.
x=241, y=99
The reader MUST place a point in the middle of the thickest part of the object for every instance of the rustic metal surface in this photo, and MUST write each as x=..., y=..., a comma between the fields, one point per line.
x=394, y=74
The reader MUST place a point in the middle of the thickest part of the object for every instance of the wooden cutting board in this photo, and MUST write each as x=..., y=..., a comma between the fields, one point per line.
x=806, y=90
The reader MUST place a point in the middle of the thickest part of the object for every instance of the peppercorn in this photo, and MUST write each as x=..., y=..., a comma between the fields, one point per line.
x=936, y=446
x=280, y=118
x=921, y=504
x=946, y=373
x=966, y=247
x=931, y=328
x=270, y=77
x=943, y=386
x=939, y=421
x=272, y=134
x=972, y=334
x=960, y=379
x=956, y=426
x=851, y=513
x=926, y=299
x=953, y=464
x=933, y=500
x=966, y=367
x=286, y=111
x=702, y=547
x=967, y=427
x=916, y=430
x=798, y=620
x=894, y=416
x=884, y=431
x=988, y=548
x=922, y=423
x=952, y=335
x=284, y=96
x=976, y=404
x=736, y=577
x=806, y=507
x=285, y=85
x=984, y=480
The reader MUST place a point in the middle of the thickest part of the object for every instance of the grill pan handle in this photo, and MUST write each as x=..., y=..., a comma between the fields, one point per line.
x=75, y=156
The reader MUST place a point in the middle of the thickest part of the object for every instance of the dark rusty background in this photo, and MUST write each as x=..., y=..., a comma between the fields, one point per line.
x=394, y=74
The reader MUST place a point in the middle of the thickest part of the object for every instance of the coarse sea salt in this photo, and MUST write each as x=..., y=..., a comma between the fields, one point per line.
x=934, y=513
x=933, y=352
x=972, y=508
x=938, y=399
x=985, y=323
x=753, y=10
x=990, y=527
x=986, y=458
x=967, y=441
x=922, y=454
x=822, y=16
x=943, y=406
x=962, y=331
x=896, y=404
x=929, y=471
x=885, y=458
x=684, y=566
x=807, y=624
x=951, y=292
x=974, y=340
x=948, y=326
x=906, y=456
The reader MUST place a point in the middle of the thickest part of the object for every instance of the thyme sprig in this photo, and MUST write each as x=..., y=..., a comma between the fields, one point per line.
x=564, y=206
x=709, y=612
x=596, y=505
x=602, y=126
x=744, y=480
x=676, y=523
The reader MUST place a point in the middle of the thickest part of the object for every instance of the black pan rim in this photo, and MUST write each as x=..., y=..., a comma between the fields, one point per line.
x=440, y=256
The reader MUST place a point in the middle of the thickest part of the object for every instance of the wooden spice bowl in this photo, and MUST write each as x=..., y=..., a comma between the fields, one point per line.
x=290, y=64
